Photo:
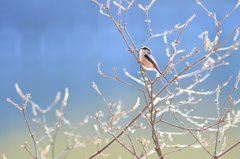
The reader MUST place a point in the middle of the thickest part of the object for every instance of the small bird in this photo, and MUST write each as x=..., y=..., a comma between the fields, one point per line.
x=148, y=61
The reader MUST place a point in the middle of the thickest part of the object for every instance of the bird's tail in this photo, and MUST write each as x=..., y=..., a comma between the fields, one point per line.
x=158, y=70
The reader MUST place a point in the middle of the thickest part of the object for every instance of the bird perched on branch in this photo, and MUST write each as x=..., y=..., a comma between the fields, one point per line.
x=148, y=61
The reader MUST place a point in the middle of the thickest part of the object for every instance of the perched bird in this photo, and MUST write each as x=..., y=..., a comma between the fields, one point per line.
x=148, y=61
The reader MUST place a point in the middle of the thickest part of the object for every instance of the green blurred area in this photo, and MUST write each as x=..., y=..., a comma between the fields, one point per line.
x=11, y=146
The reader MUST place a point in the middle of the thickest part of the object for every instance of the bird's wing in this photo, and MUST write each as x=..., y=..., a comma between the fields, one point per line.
x=150, y=58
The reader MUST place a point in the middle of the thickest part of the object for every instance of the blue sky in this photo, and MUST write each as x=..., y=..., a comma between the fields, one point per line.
x=46, y=46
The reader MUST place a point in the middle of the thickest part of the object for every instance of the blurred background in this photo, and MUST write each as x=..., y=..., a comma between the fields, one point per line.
x=46, y=46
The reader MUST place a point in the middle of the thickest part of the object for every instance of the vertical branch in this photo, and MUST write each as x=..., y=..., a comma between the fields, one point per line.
x=23, y=109
x=152, y=111
x=218, y=125
x=59, y=115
